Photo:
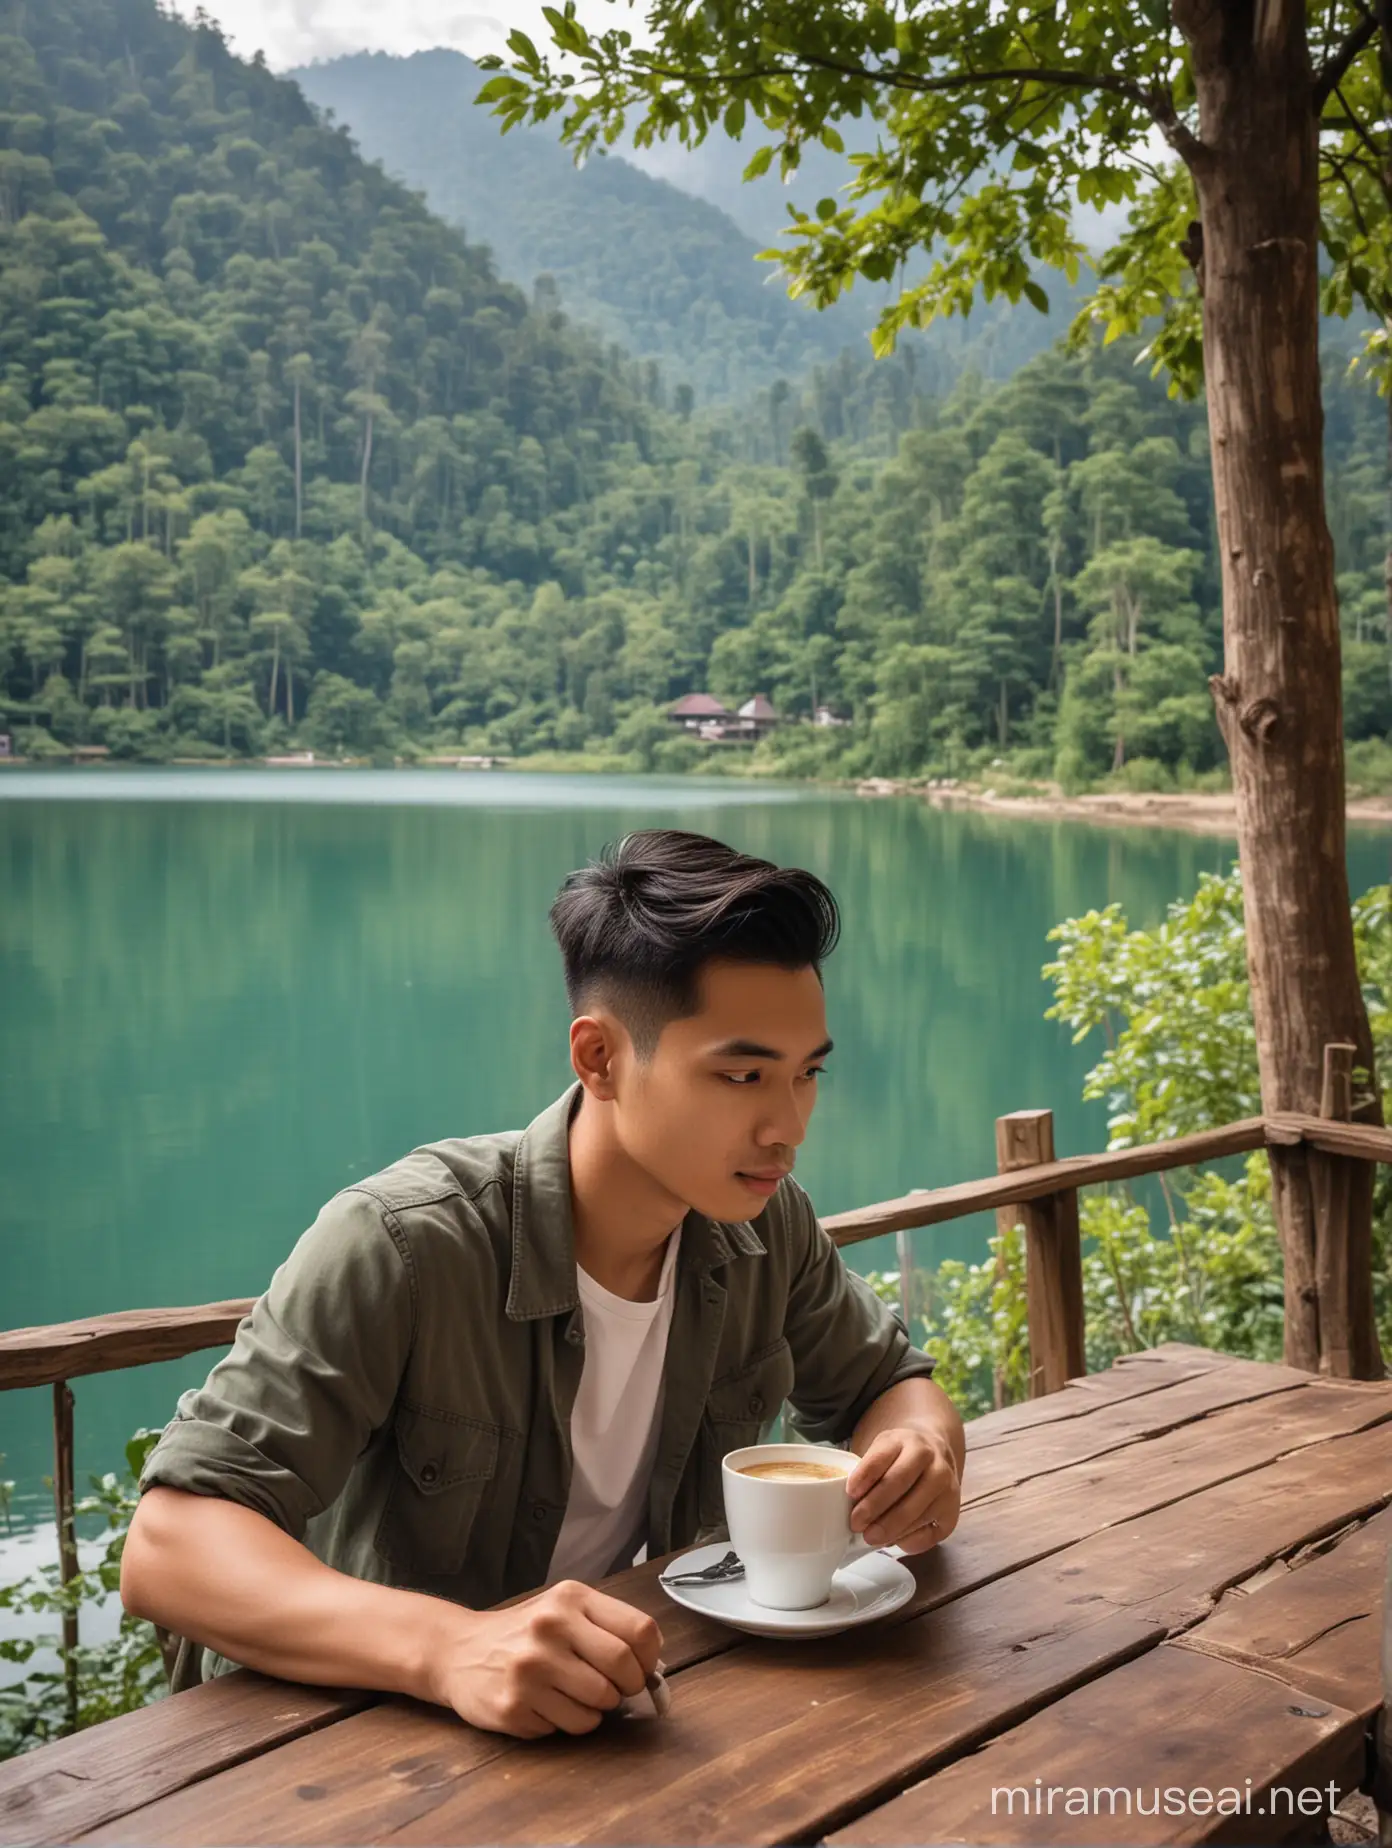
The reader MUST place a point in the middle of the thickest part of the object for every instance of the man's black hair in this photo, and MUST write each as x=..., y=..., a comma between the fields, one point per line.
x=637, y=925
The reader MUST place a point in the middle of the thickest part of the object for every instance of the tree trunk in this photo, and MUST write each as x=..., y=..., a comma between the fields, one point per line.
x=299, y=466
x=1387, y=559
x=275, y=675
x=290, y=695
x=1278, y=699
x=366, y=464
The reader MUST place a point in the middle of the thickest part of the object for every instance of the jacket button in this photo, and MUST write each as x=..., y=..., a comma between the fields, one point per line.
x=539, y=1511
x=756, y=1405
x=430, y=1475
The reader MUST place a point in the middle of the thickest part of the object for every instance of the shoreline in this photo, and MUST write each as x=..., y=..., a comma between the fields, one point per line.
x=1192, y=812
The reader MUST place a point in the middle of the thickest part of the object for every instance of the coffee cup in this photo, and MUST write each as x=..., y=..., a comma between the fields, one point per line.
x=789, y=1516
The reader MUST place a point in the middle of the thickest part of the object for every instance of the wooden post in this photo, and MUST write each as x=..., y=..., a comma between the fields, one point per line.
x=1341, y=1198
x=1053, y=1254
x=903, y=1251
x=67, y=1537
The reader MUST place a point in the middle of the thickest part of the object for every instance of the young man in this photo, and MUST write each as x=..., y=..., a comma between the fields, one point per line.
x=507, y=1363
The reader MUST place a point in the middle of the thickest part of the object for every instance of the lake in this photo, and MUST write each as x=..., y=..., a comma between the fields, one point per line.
x=227, y=994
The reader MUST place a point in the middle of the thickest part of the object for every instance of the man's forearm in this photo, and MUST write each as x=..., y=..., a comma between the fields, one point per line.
x=227, y=1577
x=917, y=1405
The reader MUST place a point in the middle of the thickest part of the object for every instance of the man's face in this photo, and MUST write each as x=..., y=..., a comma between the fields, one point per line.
x=718, y=1111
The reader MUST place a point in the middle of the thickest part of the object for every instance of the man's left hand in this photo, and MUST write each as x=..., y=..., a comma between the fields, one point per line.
x=906, y=1491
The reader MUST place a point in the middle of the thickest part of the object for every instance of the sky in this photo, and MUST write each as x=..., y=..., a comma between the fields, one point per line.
x=292, y=32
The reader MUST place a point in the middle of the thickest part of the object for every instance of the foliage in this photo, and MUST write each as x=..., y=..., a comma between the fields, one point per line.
x=1171, y=1004
x=112, y=1677
x=993, y=132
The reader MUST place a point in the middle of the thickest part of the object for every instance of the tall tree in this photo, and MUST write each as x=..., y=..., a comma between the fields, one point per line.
x=299, y=371
x=813, y=464
x=990, y=122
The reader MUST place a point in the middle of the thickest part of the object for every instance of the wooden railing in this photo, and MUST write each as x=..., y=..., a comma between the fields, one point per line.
x=1030, y=1189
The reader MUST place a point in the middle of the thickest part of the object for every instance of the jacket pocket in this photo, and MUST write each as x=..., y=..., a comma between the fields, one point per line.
x=740, y=1407
x=443, y=1467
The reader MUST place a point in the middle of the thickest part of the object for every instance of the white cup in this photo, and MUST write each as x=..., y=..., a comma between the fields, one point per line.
x=790, y=1535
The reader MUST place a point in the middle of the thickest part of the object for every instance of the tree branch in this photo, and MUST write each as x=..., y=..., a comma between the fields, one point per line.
x=1340, y=168
x=1176, y=131
x=1377, y=153
x=909, y=80
x=1334, y=69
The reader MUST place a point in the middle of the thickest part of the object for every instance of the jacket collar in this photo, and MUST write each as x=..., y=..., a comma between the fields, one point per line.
x=543, y=1281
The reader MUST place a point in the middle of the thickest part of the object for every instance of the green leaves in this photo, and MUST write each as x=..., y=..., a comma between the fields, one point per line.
x=500, y=89
x=115, y=1676
x=524, y=51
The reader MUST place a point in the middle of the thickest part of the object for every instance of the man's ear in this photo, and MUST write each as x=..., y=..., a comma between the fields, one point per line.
x=594, y=1042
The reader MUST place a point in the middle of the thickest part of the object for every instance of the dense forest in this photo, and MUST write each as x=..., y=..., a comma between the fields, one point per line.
x=288, y=465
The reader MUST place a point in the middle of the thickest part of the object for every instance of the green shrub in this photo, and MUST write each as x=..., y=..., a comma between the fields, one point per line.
x=112, y=1677
x=1368, y=765
x=680, y=755
x=1173, y=1006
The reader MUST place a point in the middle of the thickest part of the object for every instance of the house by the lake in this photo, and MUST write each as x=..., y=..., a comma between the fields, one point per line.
x=707, y=717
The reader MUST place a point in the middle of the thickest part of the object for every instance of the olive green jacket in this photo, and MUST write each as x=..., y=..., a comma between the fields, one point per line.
x=400, y=1397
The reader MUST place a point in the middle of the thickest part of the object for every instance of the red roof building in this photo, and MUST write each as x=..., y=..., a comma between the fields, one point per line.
x=696, y=709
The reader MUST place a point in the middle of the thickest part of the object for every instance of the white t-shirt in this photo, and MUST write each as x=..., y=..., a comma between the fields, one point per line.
x=614, y=1427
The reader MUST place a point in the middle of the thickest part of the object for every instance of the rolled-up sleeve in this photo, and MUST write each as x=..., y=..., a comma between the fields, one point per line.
x=848, y=1347
x=313, y=1371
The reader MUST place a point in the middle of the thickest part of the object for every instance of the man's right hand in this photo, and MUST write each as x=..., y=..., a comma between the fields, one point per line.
x=557, y=1663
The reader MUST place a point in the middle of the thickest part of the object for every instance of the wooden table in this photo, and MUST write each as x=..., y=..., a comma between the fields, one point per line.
x=1168, y=1576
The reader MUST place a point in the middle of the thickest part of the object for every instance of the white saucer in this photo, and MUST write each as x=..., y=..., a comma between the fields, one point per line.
x=867, y=1589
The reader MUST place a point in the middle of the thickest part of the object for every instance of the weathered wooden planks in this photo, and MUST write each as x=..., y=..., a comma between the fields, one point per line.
x=55, y=1794
x=351, y=1784
x=763, y=1744
x=1045, y=1514
x=771, y=1743
x=1300, y=1650
x=1201, y=1736
x=103, y=1343
x=1196, y=1548
x=1314, y=1623
x=1130, y=1377
x=1062, y=1443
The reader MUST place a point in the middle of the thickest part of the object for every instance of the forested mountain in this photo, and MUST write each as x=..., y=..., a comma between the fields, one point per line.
x=284, y=462
x=665, y=275
x=640, y=259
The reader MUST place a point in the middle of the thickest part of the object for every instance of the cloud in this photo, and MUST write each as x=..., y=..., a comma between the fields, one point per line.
x=292, y=32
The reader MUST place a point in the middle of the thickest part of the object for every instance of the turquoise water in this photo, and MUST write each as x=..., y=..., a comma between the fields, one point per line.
x=228, y=993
